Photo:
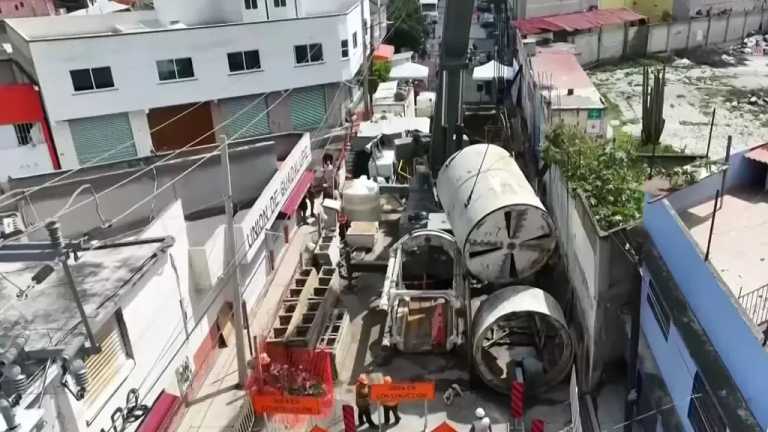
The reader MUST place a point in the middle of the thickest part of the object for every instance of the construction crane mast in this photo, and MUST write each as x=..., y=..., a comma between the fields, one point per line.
x=447, y=118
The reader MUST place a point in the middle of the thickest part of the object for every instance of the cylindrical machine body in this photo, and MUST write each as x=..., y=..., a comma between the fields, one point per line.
x=521, y=326
x=501, y=225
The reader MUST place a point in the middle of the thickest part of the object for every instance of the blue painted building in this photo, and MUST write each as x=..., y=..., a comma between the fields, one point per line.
x=703, y=364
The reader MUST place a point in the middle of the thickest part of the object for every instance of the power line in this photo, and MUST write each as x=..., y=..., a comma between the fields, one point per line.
x=26, y=194
x=98, y=159
x=146, y=169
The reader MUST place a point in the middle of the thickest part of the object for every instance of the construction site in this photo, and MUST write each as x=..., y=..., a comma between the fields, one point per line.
x=496, y=238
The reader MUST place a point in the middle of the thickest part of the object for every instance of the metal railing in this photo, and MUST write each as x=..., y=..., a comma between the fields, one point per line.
x=247, y=419
x=755, y=303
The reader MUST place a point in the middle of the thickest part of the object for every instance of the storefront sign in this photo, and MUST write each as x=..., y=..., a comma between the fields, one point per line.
x=275, y=404
x=266, y=208
x=418, y=391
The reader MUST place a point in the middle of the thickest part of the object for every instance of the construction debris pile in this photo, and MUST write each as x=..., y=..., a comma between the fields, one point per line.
x=754, y=45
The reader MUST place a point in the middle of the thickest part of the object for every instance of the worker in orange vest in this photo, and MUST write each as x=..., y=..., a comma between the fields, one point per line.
x=390, y=406
x=363, y=402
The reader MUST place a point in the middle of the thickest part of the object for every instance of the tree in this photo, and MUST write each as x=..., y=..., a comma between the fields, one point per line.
x=379, y=74
x=407, y=29
x=608, y=176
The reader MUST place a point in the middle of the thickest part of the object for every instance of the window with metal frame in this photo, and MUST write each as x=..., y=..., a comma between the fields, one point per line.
x=354, y=40
x=280, y=3
x=344, y=48
x=308, y=54
x=23, y=133
x=175, y=69
x=659, y=309
x=703, y=412
x=251, y=4
x=104, y=368
x=92, y=79
x=242, y=61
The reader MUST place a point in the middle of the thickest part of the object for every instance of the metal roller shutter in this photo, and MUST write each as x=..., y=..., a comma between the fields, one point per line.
x=103, y=368
x=308, y=107
x=248, y=121
x=95, y=136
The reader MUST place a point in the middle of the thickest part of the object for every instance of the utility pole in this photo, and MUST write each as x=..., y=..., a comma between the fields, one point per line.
x=366, y=72
x=242, y=373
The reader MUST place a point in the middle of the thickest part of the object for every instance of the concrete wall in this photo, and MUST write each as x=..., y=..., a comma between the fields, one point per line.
x=537, y=8
x=612, y=42
x=600, y=274
x=252, y=169
x=665, y=37
x=713, y=304
x=135, y=76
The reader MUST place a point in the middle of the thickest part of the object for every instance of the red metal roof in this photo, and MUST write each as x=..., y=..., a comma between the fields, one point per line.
x=21, y=104
x=298, y=192
x=759, y=154
x=577, y=21
x=384, y=52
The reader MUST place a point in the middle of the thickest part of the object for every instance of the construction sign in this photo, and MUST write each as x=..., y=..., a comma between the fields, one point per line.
x=276, y=404
x=444, y=427
x=417, y=391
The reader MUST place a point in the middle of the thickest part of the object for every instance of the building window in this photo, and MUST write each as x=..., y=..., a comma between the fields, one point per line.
x=23, y=133
x=175, y=69
x=703, y=412
x=354, y=40
x=92, y=79
x=280, y=3
x=659, y=309
x=308, y=54
x=344, y=48
x=251, y=4
x=244, y=61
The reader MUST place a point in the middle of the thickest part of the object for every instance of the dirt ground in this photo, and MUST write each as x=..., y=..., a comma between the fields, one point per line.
x=736, y=87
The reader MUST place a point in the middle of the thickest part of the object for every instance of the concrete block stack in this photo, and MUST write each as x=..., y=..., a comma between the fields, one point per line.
x=335, y=338
x=305, y=308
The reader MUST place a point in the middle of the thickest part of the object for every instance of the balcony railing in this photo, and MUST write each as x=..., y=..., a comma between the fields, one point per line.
x=755, y=303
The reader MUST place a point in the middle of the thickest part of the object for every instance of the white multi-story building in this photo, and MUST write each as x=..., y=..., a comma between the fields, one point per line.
x=162, y=79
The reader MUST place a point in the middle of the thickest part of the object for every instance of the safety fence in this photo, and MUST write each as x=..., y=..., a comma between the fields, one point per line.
x=755, y=303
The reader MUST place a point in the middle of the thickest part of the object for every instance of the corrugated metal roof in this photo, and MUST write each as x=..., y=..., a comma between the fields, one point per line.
x=577, y=21
x=759, y=154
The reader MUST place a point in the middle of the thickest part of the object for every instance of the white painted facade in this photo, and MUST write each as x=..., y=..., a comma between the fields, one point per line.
x=22, y=160
x=169, y=316
x=131, y=44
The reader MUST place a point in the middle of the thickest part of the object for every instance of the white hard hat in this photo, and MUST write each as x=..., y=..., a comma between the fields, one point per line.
x=479, y=413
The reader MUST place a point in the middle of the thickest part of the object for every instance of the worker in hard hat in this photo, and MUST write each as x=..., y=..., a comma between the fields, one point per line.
x=390, y=406
x=363, y=401
x=482, y=423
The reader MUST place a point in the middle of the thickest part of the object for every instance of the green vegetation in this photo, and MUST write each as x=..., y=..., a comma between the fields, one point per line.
x=609, y=176
x=379, y=74
x=409, y=29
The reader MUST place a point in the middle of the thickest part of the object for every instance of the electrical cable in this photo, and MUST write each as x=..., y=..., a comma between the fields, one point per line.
x=226, y=272
x=92, y=162
x=146, y=169
x=58, y=179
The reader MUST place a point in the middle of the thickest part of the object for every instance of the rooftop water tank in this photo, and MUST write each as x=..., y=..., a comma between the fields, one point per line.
x=360, y=200
x=501, y=225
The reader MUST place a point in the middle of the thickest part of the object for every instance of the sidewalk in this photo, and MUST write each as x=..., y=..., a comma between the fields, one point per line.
x=217, y=406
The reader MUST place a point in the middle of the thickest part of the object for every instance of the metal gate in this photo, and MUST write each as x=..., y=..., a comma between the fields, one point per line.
x=308, y=108
x=95, y=136
x=252, y=122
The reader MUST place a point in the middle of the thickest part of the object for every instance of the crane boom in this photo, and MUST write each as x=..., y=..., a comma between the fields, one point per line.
x=457, y=20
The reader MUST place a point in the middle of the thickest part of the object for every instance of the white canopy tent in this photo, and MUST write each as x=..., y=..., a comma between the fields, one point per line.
x=409, y=71
x=493, y=69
